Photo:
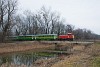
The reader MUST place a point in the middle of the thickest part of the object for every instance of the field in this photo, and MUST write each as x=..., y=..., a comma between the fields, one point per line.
x=22, y=46
x=81, y=55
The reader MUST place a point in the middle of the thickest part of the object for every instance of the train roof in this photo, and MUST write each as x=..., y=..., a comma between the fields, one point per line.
x=39, y=35
x=69, y=33
x=47, y=34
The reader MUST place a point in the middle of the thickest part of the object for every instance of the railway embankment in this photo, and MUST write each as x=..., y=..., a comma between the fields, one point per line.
x=63, y=46
x=23, y=46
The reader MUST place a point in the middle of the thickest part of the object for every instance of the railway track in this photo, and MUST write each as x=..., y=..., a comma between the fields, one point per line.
x=67, y=42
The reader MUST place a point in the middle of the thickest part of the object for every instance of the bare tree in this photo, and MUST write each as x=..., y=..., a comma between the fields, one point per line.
x=55, y=19
x=3, y=11
x=46, y=18
x=78, y=34
x=36, y=26
x=59, y=28
x=40, y=23
x=69, y=28
x=20, y=27
x=45, y=22
x=28, y=15
x=7, y=9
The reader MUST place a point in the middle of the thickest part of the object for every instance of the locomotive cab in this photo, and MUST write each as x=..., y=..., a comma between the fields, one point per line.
x=69, y=37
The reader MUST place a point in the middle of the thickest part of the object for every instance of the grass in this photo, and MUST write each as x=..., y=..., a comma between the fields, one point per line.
x=96, y=62
x=22, y=46
x=89, y=57
x=46, y=54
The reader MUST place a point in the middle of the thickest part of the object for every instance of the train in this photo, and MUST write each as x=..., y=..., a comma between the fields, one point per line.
x=46, y=37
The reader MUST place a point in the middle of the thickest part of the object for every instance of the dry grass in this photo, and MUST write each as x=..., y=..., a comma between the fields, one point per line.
x=12, y=65
x=22, y=46
x=78, y=48
x=39, y=63
x=72, y=61
x=82, y=56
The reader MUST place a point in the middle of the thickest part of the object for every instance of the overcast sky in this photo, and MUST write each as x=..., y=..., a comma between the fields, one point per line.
x=81, y=13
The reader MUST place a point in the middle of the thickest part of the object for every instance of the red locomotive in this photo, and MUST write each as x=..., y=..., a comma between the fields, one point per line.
x=69, y=37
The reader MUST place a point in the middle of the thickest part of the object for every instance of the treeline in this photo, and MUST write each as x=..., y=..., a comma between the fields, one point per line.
x=44, y=21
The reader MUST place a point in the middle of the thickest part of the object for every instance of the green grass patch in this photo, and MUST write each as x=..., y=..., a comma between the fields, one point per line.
x=97, y=42
x=46, y=54
x=96, y=62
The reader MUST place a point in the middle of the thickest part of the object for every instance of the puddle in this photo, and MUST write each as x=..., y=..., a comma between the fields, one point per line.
x=24, y=58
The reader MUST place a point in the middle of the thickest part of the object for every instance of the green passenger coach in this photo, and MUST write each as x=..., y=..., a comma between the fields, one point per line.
x=37, y=37
x=46, y=37
x=25, y=37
